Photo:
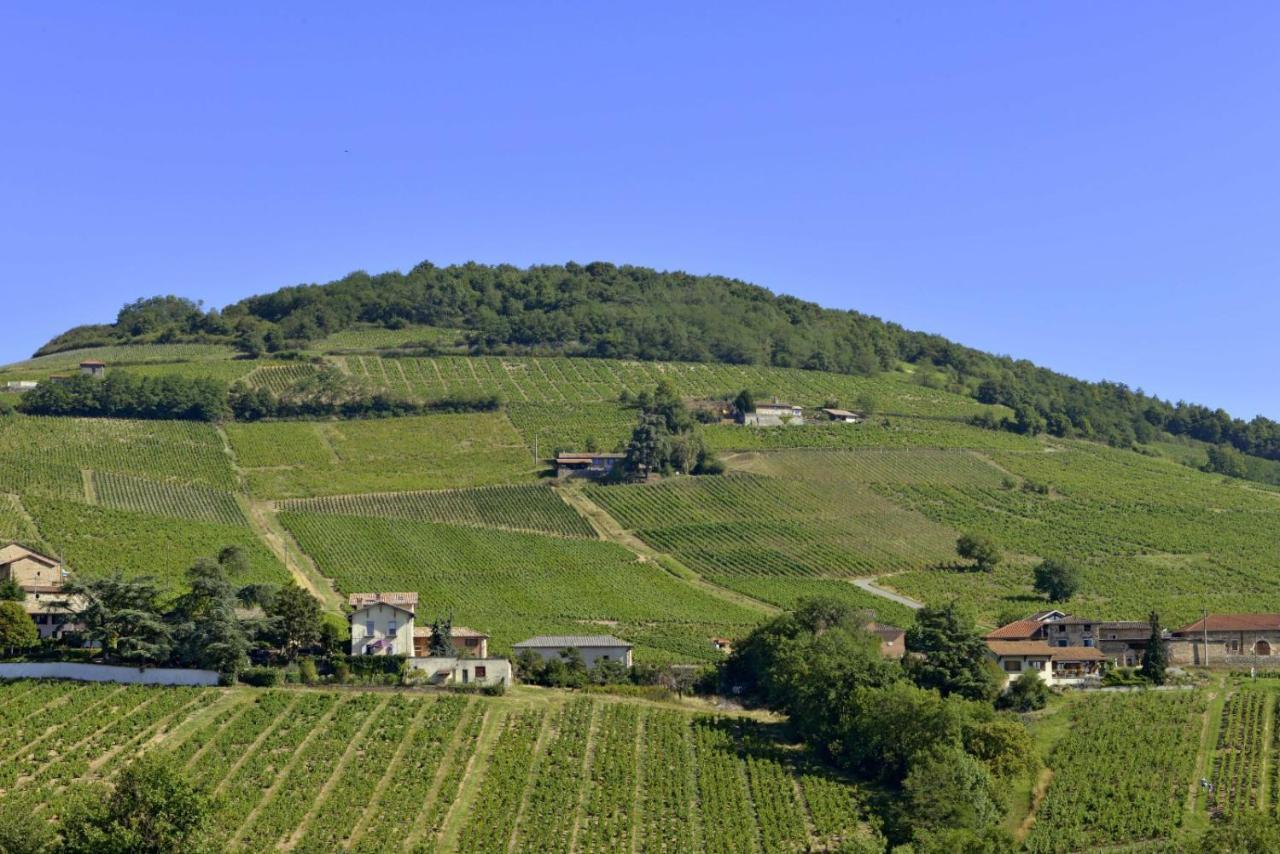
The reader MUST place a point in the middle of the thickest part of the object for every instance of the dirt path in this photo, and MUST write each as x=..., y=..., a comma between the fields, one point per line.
x=1043, y=780
x=609, y=529
x=262, y=519
x=870, y=586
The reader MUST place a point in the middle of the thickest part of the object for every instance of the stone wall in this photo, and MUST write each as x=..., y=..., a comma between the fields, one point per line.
x=106, y=673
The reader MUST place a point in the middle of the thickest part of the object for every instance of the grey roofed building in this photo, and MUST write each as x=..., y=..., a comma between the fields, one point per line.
x=594, y=648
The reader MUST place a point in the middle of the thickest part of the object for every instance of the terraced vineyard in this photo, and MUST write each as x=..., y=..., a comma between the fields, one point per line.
x=526, y=508
x=515, y=585
x=320, y=771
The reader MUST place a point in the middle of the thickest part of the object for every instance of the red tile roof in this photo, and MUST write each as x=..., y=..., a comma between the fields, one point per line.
x=1017, y=630
x=1078, y=653
x=1033, y=648
x=1234, y=623
x=404, y=601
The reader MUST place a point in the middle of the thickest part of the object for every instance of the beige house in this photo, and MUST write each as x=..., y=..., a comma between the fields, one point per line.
x=593, y=648
x=464, y=671
x=382, y=623
x=41, y=578
x=1057, y=666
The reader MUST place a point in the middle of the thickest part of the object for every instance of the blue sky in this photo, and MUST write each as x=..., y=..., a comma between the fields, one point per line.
x=1093, y=187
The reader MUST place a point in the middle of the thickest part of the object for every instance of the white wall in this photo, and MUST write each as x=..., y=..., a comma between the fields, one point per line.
x=383, y=617
x=591, y=655
x=106, y=673
x=497, y=670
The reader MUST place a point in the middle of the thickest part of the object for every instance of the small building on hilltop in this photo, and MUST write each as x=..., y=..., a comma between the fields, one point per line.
x=587, y=464
x=593, y=648
x=774, y=414
x=93, y=368
x=1240, y=639
x=41, y=579
x=844, y=415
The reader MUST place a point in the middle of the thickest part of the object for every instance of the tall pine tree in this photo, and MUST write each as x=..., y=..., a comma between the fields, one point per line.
x=1155, y=658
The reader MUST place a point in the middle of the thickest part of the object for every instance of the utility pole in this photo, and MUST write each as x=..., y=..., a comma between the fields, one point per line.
x=1204, y=624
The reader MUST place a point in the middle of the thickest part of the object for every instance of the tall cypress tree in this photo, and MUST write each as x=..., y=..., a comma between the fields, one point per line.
x=1155, y=658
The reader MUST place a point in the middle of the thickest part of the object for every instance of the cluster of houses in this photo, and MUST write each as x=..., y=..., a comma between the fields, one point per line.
x=1065, y=650
x=779, y=414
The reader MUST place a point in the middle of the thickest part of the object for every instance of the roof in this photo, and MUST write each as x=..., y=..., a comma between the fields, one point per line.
x=1032, y=648
x=464, y=632
x=776, y=405
x=842, y=413
x=93, y=363
x=403, y=601
x=32, y=553
x=1017, y=630
x=578, y=641
x=586, y=457
x=1077, y=653
x=888, y=633
x=1234, y=623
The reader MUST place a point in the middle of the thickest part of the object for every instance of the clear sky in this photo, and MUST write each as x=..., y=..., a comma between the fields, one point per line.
x=1095, y=187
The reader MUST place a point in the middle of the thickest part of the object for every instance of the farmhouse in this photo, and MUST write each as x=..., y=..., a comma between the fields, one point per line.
x=93, y=368
x=1057, y=666
x=586, y=464
x=774, y=415
x=844, y=415
x=1228, y=638
x=41, y=579
x=593, y=648
x=1121, y=642
x=382, y=624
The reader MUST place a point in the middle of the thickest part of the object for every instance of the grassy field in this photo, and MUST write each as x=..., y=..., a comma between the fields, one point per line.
x=296, y=459
x=324, y=771
x=515, y=585
x=380, y=338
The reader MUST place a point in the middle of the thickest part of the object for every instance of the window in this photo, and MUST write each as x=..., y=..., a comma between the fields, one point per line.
x=1061, y=629
x=1088, y=641
x=391, y=628
x=481, y=672
x=1012, y=665
x=368, y=628
x=1062, y=642
x=604, y=658
x=1038, y=665
x=473, y=641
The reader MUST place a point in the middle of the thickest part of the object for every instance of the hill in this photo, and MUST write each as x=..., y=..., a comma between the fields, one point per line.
x=602, y=310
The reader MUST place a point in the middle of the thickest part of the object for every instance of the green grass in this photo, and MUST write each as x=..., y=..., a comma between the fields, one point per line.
x=302, y=459
x=514, y=585
x=14, y=524
x=380, y=338
x=526, y=507
x=96, y=541
x=786, y=592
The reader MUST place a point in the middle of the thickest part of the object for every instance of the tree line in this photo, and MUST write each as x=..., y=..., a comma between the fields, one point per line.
x=627, y=312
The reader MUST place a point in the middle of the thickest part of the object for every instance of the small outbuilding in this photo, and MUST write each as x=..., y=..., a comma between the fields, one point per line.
x=587, y=464
x=774, y=414
x=593, y=648
x=93, y=368
x=844, y=415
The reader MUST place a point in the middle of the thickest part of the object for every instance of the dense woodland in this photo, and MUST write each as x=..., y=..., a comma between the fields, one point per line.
x=603, y=310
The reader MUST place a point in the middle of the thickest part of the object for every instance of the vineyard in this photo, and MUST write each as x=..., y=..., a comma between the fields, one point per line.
x=522, y=508
x=304, y=459
x=320, y=771
x=1122, y=773
x=515, y=585
x=1241, y=751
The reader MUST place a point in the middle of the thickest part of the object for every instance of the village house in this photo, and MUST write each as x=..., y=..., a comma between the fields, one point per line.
x=93, y=368
x=383, y=624
x=1057, y=666
x=774, y=415
x=1122, y=642
x=587, y=464
x=843, y=415
x=41, y=579
x=1239, y=639
x=593, y=648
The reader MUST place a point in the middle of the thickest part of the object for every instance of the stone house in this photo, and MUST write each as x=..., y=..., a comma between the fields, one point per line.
x=587, y=464
x=1121, y=642
x=41, y=579
x=593, y=648
x=774, y=415
x=1239, y=639
x=93, y=368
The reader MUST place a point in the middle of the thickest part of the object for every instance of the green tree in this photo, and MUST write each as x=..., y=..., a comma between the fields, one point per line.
x=885, y=727
x=1057, y=580
x=295, y=619
x=952, y=655
x=745, y=402
x=11, y=591
x=947, y=789
x=648, y=449
x=1027, y=693
x=1003, y=744
x=123, y=616
x=207, y=631
x=1155, y=658
x=442, y=637
x=152, y=809
x=17, y=631
x=1243, y=833
x=980, y=549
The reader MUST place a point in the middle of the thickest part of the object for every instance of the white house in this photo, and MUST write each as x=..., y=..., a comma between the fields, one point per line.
x=1057, y=666
x=382, y=623
x=593, y=648
x=464, y=671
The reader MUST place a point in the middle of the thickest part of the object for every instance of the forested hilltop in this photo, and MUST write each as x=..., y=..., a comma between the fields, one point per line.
x=603, y=310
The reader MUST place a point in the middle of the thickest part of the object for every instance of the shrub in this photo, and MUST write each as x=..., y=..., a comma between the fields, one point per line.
x=262, y=677
x=1027, y=693
x=307, y=672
